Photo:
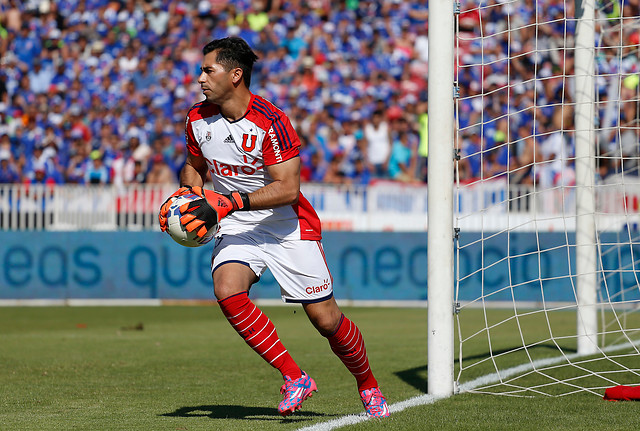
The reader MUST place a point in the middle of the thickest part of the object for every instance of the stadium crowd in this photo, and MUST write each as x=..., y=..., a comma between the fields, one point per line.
x=96, y=91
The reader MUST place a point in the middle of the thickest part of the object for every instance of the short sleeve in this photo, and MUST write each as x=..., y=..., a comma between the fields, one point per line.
x=281, y=142
x=192, y=144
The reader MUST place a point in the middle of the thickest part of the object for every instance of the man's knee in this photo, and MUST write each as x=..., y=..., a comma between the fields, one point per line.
x=231, y=278
x=325, y=316
x=327, y=325
x=224, y=290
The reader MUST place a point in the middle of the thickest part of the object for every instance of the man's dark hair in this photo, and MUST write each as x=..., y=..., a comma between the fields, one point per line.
x=233, y=52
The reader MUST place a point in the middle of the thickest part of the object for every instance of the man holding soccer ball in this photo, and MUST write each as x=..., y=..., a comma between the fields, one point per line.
x=251, y=151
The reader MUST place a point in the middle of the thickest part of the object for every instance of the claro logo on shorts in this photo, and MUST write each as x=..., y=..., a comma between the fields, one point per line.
x=316, y=289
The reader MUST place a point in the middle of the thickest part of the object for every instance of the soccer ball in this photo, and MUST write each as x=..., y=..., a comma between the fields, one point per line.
x=175, y=229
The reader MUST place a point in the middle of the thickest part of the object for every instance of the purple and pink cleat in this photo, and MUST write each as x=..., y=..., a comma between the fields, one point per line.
x=295, y=392
x=375, y=404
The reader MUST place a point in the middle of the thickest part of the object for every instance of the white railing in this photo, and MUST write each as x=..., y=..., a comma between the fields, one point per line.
x=386, y=206
x=616, y=195
x=73, y=207
x=383, y=206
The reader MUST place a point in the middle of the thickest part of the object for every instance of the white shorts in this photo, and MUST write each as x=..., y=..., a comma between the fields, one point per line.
x=299, y=266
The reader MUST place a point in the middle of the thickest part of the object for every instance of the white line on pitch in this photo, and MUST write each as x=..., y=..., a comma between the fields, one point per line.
x=425, y=399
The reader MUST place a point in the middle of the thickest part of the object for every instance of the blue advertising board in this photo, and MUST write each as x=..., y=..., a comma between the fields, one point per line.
x=364, y=265
x=61, y=265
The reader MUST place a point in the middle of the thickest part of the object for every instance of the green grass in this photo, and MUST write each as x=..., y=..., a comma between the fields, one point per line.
x=184, y=368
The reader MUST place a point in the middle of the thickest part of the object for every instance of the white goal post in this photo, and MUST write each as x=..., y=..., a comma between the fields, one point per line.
x=585, y=167
x=440, y=345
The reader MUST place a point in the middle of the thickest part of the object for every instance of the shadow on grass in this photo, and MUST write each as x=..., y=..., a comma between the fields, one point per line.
x=537, y=347
x=226, y=411
x=416, y=376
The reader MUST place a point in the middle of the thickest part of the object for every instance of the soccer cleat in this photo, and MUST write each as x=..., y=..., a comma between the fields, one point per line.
x=295, y=392
x=375, y=404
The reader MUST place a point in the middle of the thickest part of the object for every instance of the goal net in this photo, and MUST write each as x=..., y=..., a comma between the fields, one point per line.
x=547, y=196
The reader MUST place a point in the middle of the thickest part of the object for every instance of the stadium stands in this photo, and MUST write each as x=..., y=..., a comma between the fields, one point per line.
x=97, y=90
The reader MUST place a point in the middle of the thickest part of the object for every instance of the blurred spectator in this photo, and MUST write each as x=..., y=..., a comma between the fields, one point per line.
x=158, y=18
x=41, y=170
x=378, y=139
x=8, y=171
x=139, y=174
x=471, y=155
x=78, y=161
x=403, y=159
x=144, y=77
x=555, y=151
x=628, y=152
x=257, y=18
x=13, y=16
x=26, y=45
x=39, y=176
x=139, y=152
x=78, y=127
x=527, y=154
x=160, y=172
x=422, y=127
x=334, y=173
x=361, y=174
x=40, y=78
x=122, y=165
x=96, y=172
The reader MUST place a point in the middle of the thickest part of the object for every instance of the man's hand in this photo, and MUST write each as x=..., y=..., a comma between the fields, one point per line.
x=203, y=214
x=164, y=209
x=234, y=201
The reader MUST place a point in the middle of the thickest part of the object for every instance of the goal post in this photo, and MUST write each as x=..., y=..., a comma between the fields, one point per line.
x=585, y=167
x=440, y=345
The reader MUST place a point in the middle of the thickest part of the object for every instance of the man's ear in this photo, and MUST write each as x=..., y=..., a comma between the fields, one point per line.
x=237, y=75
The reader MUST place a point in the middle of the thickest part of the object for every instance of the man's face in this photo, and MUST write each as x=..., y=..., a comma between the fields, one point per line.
x=214, y=80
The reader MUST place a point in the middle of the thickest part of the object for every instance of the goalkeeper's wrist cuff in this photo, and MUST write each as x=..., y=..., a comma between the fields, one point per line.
x=246, y=206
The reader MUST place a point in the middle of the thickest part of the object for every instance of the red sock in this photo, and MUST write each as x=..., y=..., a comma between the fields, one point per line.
x=347, y=343
x=258, y=332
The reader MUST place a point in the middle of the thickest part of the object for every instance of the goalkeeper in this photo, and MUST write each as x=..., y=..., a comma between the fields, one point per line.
x=250, y=149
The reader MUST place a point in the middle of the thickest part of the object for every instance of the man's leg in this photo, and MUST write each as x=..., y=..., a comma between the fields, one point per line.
x=344, y=338
x=231, y=286
x=347, y=343
x=231, y=283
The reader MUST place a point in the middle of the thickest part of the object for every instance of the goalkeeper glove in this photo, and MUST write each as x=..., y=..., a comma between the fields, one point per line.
x=164, y=208
x=203, y=214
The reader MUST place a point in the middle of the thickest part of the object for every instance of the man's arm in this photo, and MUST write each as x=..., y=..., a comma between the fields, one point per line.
x=194, y=171
x=284, y=190
x=200, y=215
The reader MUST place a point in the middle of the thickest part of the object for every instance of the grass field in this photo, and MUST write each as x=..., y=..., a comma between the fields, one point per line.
x=184, y=368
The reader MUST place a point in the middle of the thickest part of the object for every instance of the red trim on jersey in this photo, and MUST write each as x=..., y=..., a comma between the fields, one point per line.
x=192, y=145
x=256, y=117
x=281, y=142
x=273, y=150
x=202, y=110
x=197, y=112
x=310, y=226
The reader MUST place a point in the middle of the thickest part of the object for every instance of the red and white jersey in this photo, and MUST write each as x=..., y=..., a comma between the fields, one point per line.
x=237, y=154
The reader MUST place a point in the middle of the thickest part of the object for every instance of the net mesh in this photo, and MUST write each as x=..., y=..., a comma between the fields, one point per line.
x=516, y=278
